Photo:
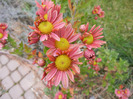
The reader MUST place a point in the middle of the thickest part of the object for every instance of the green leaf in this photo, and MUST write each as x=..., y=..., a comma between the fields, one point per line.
x=12, y=41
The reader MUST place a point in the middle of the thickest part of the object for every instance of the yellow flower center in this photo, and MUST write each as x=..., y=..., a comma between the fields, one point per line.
x=63, y=44
x=118, y=92
x=125, y=91
x=60, y=97
x=45, y=27
x=43, y=5
x=63, y=62
x=88, y=39
x=45, y=16
x=94, y=63
x=1, y=35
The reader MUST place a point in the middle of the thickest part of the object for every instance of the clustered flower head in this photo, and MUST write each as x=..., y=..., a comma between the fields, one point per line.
x=3, y=34
x=60, y=38
x=98, y=11
x=91, y=40
x=122, y=93
x=60, y=95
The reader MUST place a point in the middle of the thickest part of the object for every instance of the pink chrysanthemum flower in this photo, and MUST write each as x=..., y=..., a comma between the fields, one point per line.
x=126, y=92
x=3, y=26
x=60, y=95
x=91, y=38
x=49, y=22
x=3, y=34
x=118, y=93
x=66, y=35
x=101, y=14
x=62, y=64
x=96, y=10
x=45, y=4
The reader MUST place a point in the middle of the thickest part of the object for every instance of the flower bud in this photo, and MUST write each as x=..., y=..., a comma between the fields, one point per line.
x=82, y=28
x=41, y=62
x=89, y=54
x=96, y=18
x=4, y=42
x=33, y=38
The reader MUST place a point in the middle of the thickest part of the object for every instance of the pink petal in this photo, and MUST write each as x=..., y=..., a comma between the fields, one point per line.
x=75, y=68
x=43, y=37
x=58, y=78
x=54, y=16
x=74, y=38
x=99, y=37
x=77, y=55
x=70, y=74
x=87, y=25
x=51, y=74
x=97, y=34
x=64, y=80
x=54, y=36
x=59, y=25
x=50, y=51
x=48, y=44
x=92, y=28
x=49, y=16
x=99, y=42
x=69, y=30
x=73, y=51
x=60, y=17
x=37, y=4
x=76, y=62
x=96, y=29
x=51, y=58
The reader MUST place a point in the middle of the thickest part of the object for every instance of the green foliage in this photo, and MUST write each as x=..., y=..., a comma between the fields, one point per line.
x=117, y=68
x=12, y=41
x=51, y=92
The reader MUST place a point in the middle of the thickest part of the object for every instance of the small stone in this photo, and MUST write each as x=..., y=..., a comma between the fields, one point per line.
x=28, y=81
x=21, y=97
x=4, y=59
x=7, y=83
x=16, y=76
x=12, y=65
x=23, y=70
x=29, y=95
x=45, y=97
x=5, y=96
x=0, y=66
x=4, y=72
x=16, y=92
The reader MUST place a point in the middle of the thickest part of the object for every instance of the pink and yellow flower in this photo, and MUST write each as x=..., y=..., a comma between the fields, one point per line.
x=3, y=34
x=66, y=35
x=45, y=4
x=62, y=64
x=91, y=38
x=3, y=26
x=118, y=93
x=48, y=22
x=96, y=10
x=60, y=95
x=101, y=14
x=126, y=92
